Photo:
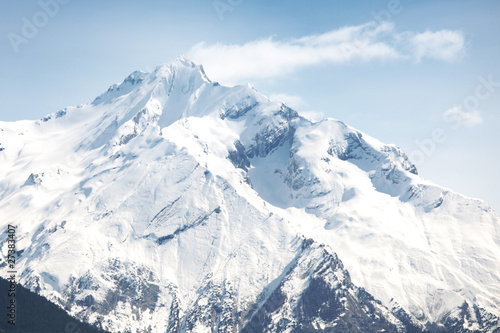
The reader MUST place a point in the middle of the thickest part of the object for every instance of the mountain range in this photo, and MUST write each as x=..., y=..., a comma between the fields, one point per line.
x=172, y=203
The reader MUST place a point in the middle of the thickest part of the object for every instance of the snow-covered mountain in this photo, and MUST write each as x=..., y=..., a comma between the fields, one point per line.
x=174, y=204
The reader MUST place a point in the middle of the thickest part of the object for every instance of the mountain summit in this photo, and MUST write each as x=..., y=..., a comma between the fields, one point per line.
x=174, y=204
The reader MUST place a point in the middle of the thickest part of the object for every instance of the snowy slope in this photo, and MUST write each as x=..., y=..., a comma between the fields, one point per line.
x=172, y=203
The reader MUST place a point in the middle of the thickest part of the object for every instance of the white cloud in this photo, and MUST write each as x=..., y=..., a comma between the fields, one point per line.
x=269, y=58
x=295, y=102
x=313, y=115
x=442, y=45
x=463, y=117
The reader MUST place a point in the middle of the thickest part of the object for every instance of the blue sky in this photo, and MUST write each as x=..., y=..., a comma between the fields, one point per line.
x=424, y=75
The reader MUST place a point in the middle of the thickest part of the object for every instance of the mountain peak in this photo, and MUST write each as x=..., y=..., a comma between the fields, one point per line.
x=180, y=64
x=180, y=70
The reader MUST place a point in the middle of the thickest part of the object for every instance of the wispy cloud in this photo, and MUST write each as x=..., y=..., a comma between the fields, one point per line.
x=268, y=58
x=443, y=45
x=298, y=104
x=293, y=101
x=466, y=118
x=313, y=115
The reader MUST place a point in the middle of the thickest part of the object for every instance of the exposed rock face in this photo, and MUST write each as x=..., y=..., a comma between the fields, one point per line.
x=316, y=294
